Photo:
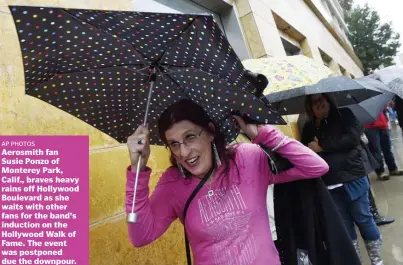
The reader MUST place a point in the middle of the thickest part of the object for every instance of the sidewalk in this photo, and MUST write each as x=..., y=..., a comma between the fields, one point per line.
x=389, y=199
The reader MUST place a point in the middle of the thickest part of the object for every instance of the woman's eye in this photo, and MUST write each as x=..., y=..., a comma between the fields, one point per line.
x=174, y=145
x=191, y=137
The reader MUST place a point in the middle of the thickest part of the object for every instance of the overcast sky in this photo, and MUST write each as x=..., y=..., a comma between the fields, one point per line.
x=389, y=11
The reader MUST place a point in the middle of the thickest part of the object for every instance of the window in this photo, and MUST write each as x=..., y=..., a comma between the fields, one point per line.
x=344, y=71
x=290, y=48
x=325, y=58
x=291, y=38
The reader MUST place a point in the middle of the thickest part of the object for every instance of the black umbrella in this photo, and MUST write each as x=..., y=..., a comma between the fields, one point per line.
x=343, y=90
x=116, y=70
x=368, y=110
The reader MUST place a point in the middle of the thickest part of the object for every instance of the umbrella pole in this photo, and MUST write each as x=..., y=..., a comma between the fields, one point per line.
x=132, y=216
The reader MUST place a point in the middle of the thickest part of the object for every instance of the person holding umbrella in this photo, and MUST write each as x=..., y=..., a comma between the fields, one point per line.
x=380, y=144
x=227, y=221
x=335, y=134
x=398, y=107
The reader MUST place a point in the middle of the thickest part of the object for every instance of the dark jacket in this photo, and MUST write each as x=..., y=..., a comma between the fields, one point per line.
x=339, y=136
x=399, y=110
x=309, y=224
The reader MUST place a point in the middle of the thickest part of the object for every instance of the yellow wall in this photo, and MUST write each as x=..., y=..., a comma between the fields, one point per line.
x=24, y=115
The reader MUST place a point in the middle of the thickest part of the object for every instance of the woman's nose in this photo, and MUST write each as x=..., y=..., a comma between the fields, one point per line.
x=184, y=150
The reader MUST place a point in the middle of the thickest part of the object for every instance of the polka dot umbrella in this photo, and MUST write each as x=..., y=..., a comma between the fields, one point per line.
x=116, y=70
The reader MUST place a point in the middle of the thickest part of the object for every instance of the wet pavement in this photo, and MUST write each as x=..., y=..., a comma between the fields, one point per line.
x=389, y=199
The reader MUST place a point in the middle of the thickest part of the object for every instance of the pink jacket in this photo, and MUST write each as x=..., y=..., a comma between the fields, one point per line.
x=232, y=226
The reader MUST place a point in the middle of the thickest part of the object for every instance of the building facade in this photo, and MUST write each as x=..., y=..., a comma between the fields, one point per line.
x=255, y=28
x=268, y=28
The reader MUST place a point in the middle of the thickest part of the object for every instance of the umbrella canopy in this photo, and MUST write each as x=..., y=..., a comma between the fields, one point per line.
x=392, y=76
x=288, y=72
x=116, y=70
x=368, y=110
x=343, y=90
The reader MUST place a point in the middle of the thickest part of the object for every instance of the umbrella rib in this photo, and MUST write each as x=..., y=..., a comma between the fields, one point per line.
x=138, y=53
x=176, y=83
x=214, y=76
x=174, y=40
x=89, y=70
x=177, y=66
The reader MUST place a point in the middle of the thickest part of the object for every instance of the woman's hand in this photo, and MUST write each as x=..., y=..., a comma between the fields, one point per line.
x=251, y=130
x=314, y=146
x=139, y=145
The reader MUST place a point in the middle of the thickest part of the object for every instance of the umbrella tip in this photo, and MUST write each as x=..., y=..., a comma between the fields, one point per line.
x=259, y=81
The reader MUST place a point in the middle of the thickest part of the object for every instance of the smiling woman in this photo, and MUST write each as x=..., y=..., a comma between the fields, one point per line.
x=193, y=154
x=216, y=190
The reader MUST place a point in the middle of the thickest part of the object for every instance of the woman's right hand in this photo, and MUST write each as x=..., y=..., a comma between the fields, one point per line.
x=139, y=145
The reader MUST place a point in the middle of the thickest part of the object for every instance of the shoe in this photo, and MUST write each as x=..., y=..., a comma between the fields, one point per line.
x=396, y=172
x=357, y=249
x=382, y=176
x=374, y=251
x=383, y=220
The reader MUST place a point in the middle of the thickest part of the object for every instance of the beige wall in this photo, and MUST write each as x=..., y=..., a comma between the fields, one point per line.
x=302, y=18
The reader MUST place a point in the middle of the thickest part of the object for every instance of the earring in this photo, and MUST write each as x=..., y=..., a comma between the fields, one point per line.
x=216, y=155
x=181, y=169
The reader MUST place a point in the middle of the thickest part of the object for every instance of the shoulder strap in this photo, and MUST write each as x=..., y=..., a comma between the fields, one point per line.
x=195, y=191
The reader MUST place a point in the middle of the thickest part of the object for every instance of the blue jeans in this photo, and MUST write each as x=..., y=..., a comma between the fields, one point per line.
x=356, y=212
x=380, y=142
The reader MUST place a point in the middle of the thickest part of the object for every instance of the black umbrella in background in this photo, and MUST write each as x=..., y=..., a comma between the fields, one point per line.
x=366, y=111
x=343, y=90
x=369, y=110
x=116, y=70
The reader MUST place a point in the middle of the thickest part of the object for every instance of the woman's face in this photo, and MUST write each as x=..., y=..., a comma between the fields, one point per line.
x=320, y=106
x=191, y=147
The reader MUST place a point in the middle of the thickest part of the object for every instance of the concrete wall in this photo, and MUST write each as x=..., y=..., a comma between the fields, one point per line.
x=256, y=16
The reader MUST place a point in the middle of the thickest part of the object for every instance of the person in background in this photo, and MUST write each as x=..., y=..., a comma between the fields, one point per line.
x=335, y=134
x=227, y=221
x=379, y=219
x=380, y=145
x=398, y=107
x=391, y=114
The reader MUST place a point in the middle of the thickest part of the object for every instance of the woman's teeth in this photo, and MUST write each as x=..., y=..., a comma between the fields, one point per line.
x=192, y=161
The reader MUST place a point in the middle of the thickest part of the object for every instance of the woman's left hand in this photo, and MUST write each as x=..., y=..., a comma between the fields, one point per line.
x=251, y=130
x=314, y=146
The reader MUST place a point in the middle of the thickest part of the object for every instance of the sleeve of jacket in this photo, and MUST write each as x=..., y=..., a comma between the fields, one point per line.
x=306, y=134
x=350, y=136
x=155, y=212
x=307, y=164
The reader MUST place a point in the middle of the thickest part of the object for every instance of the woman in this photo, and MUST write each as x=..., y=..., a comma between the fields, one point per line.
x=227, y=221
x=336, y=135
